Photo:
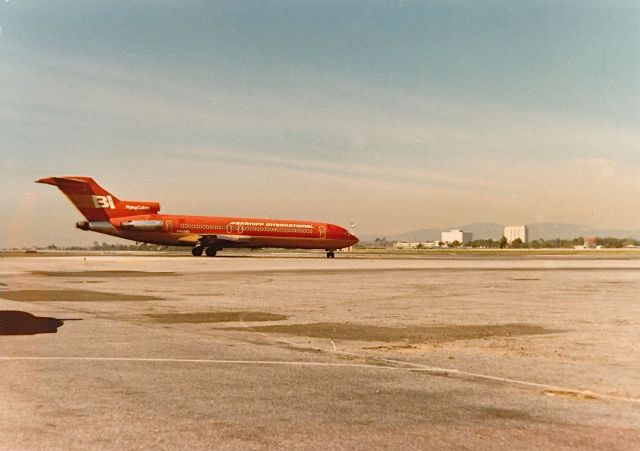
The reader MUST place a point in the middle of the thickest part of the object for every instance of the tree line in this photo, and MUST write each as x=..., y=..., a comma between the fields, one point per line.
x=557, y=243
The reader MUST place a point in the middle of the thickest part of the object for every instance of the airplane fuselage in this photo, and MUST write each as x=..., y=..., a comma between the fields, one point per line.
x=183, y=230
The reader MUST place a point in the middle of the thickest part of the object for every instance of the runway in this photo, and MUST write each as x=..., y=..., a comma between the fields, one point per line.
x=274, y=352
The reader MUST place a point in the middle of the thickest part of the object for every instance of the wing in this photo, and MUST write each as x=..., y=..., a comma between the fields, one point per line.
x=218, y=238
x=231, y=238
x=207, y=240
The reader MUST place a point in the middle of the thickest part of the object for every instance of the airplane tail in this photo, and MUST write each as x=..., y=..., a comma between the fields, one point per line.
x=94, y=202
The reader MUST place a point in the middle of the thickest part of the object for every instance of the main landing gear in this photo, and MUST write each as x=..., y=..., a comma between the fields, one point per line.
x=197, y=251
x=330, y=254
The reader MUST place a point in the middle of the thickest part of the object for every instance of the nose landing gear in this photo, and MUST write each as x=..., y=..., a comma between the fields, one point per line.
x=330, y=254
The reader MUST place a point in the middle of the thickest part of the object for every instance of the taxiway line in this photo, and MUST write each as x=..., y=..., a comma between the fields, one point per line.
x=414, y=367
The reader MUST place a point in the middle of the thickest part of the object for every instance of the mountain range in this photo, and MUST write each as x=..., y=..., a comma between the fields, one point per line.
x=484, y=230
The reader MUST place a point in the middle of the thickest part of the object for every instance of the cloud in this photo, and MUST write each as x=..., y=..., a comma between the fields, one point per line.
x=598, y=167
x=312, y=120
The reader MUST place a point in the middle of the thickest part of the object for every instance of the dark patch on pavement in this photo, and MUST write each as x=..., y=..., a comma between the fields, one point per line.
x=15, y=322
x=103, y=273
x=390, y=347
x=412, y=334
x=489, y=413
x=71, y=296
x=215, y=317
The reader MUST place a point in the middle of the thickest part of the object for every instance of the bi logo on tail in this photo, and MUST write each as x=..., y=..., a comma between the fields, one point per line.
x=103, y=201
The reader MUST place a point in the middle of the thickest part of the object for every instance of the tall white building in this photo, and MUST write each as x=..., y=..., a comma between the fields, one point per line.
x=456, y=235
x=512, y=232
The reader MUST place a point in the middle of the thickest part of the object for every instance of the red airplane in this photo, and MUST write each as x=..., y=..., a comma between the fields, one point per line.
x=140, y=221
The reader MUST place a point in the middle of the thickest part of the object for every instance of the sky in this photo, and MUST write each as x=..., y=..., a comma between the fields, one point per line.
x=393, y=115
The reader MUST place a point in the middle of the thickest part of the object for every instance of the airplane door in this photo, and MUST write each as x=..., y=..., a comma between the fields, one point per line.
x=168, y=225
x=238, y=228
x=323, y=232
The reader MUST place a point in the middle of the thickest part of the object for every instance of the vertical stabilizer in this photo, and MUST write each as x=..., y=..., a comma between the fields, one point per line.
x=94, y=202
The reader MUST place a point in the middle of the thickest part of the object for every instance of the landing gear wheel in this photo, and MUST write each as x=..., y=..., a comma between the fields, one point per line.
x=197, y=251
x=211, y=251
x=330, y=254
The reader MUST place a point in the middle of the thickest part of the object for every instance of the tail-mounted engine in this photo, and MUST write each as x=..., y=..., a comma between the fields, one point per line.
x=143, y=225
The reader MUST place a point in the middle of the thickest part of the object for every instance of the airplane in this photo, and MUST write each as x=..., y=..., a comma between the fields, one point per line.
x=139, y=221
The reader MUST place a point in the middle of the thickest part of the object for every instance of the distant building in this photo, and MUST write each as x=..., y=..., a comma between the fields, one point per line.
x=513, y=232
x=590, y=242
x=406, y=245
x=416, y=245
x=456, y=235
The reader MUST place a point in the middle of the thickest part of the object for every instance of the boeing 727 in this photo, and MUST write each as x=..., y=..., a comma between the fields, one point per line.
x=139, y=221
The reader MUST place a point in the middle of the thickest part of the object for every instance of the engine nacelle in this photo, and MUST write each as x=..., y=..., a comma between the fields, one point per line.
x=146, y=225
x=96, y=226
